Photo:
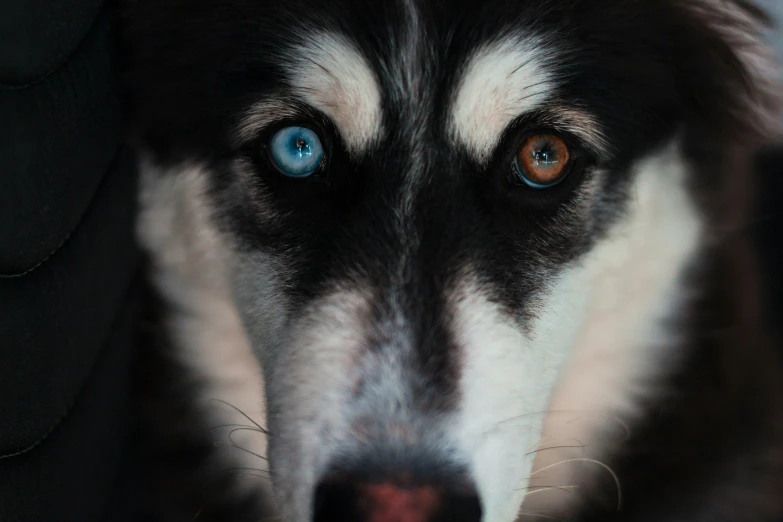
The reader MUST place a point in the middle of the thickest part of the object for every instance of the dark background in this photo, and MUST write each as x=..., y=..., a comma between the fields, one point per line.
x=776, y=8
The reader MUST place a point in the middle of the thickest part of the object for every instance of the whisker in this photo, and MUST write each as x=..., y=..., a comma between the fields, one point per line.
x=522, y=416
x=599, y=463
x=231, y=439
x=550, y=439
x=618, y=420
x=253, y=475
x=253, y=428
x=550, y=517
x=234, y=430
x=248, y=469
x=236, y=446
x=546, y=488
x=582, y=446
x=561, y=488
x=245, y=415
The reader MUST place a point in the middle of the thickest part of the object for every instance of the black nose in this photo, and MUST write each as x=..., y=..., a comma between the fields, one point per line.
x=345, y=499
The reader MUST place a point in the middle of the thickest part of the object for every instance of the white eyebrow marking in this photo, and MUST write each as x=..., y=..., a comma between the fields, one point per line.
x=500, y=82
x=328, y=73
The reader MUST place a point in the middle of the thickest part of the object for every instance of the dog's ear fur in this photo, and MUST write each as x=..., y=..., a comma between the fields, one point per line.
x=743, y=28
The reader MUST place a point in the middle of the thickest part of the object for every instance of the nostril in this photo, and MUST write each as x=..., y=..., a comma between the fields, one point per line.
x=362, y=501
x=334, y=501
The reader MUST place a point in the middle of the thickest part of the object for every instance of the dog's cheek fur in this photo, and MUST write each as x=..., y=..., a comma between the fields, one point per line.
x=191, y=269
x=593, y=351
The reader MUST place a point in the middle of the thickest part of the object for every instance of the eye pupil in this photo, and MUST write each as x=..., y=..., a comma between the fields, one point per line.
x=303, y=148
x=543, y=157
x=296, y=151
x=542, y=161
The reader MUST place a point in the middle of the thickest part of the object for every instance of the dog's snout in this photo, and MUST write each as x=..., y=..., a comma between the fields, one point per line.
x=358, y=500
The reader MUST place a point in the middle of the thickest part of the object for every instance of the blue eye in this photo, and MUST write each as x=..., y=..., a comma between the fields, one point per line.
x=296, y=151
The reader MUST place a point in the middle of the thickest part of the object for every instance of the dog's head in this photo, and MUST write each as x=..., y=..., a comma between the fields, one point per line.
x=435, y=220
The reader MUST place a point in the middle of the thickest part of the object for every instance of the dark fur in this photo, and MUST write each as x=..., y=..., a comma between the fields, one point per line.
x=711, y=446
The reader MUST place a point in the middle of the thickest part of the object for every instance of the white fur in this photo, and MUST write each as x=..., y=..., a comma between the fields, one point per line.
x=501, y=81
x=503, y=378
x=315, y=375
x=581, y=124
x=330, y=74
x=631, y=283
x=192, y=268
x=595, y=343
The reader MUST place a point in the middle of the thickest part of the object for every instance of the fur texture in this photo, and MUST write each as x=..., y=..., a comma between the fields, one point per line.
x=410, y=314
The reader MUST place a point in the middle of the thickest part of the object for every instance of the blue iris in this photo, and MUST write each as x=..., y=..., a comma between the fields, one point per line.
x=296, y=151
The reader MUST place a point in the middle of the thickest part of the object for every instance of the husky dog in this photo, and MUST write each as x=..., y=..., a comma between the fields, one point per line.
x=454, y=260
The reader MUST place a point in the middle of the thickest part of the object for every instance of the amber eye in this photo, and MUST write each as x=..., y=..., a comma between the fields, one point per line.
x=542, y=161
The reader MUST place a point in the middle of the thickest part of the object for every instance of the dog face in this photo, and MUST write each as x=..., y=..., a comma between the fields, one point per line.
x=402, y=235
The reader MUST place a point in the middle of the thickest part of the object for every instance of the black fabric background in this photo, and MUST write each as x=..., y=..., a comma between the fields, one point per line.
x=768, y=230
x=67, y=266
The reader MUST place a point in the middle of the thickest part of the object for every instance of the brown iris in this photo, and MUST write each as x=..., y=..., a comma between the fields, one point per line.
x=542, y=161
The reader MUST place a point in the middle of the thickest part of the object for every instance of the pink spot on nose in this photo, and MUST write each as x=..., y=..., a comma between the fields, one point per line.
x=388, y=503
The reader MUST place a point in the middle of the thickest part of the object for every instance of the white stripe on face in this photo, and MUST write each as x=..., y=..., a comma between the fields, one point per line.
x=328, y=73
x=594, y=348
x=501, y=81
x=505, y=377
x=632, y=282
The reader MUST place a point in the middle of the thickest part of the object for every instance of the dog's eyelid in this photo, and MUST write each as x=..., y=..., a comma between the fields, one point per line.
x=578, y=126
x=264, y=118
